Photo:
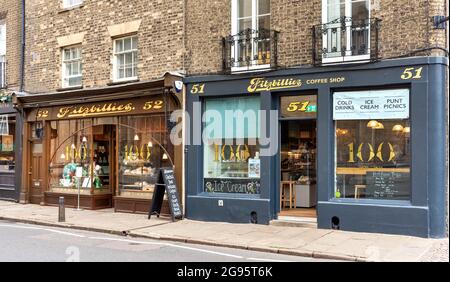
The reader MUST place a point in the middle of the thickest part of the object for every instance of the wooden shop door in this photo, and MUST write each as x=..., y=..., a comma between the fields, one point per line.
x=36, y=173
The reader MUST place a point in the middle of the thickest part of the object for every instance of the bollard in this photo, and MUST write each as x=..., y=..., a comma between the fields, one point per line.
x=62, y=210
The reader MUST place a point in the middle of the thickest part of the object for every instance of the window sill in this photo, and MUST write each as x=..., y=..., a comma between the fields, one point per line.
x=119, y=82
x=63, y=10
x=250, y=69
x=346, y=59
x=69, y=88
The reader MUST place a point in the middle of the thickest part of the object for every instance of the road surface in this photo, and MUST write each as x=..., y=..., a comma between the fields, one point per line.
x=25, y=242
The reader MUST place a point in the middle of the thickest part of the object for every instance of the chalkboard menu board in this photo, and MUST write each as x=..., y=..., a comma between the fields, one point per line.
x=166, y=184
x=388, y=185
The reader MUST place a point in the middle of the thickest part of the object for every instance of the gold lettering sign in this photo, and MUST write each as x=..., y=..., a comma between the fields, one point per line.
x=372, y=154
x=42, y=114
x=298, y=106
x=103, y=109
x=261, y=84
x=94, y=110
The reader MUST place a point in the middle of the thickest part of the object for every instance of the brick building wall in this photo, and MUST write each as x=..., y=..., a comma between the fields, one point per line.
x=405, y=27
x=207, y=21
x=160, y=39
x=10, y=12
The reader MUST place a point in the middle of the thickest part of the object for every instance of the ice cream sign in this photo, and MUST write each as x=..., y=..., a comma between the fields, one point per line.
x=377, y=104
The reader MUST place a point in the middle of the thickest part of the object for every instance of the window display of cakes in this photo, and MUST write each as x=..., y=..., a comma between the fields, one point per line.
x=138, y=176
x=139, y=171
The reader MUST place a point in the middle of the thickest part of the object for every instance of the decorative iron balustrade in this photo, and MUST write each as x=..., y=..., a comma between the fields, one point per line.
x=2, y=74
x=250, y=50
x=345, y=40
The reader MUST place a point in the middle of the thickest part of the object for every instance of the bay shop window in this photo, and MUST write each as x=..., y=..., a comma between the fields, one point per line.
x=231, y=153
x=118, y=155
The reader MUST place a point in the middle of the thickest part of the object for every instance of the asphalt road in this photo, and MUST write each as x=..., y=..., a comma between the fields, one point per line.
x=24, y=242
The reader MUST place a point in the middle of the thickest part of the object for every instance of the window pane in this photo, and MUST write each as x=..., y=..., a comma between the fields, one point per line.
x=264, y=22
x=373, y=154
x=119, y=46
x=244, y=24
x=75, y=68
x=360, y=11
x=120, y=60
x=127, y=44
x=134, y=42
x=66, y=54
x=245, y=8
x=335, y=9
x=140, y=155
x=121, y=73
x=7, y=154
x=128, y=72
x=231, y=156
x=263, y=7
x=74, y=81
x=69, y=151
x=68, y=69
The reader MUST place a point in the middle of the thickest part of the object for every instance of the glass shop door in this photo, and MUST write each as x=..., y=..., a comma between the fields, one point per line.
x=298, y=151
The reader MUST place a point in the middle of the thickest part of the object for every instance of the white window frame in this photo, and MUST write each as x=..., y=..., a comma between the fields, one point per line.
x=64, y=76
x=2, y=38
x=3, y=53
x=115, y=59
x=234, y=30
x=348, y=53
x=71, y=3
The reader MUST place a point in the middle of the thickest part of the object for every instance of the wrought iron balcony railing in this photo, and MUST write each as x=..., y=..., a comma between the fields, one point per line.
x=345, y=40
x=2, y=74
x=250, y=50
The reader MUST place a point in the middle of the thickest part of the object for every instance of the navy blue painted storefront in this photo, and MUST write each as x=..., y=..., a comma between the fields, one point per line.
x=423, y=215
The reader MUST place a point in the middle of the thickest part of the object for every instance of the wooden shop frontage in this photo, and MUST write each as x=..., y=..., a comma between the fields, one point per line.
x=105, y=145
x=10, y=144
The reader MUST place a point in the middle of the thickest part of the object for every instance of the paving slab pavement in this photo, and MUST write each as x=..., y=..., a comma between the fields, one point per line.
x=301, y=241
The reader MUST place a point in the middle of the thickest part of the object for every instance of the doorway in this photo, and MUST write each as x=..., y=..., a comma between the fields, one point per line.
x=298, y=189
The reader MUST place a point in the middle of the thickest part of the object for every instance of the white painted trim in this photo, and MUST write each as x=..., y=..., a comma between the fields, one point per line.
x=63, y=67
x=114, y=70
x=3, y=39
x=341, y=59
x=251, y=68
x=66, y=4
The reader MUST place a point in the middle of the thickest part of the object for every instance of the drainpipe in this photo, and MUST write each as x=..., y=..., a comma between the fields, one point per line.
x=22, y=52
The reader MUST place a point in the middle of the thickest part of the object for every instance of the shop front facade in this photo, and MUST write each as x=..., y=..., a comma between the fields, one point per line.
x=103, y=148
x=10, y=148
x=358, y=148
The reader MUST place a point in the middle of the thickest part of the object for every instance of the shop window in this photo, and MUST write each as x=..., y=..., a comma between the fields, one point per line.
x=137, y=145
x=125, y=58
x=373, y=154
x=72, y=67
x=144, y=148
x=231, y=150
x=71, y=3
x=37, y=130
x=71, y=149
x=7, y=134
